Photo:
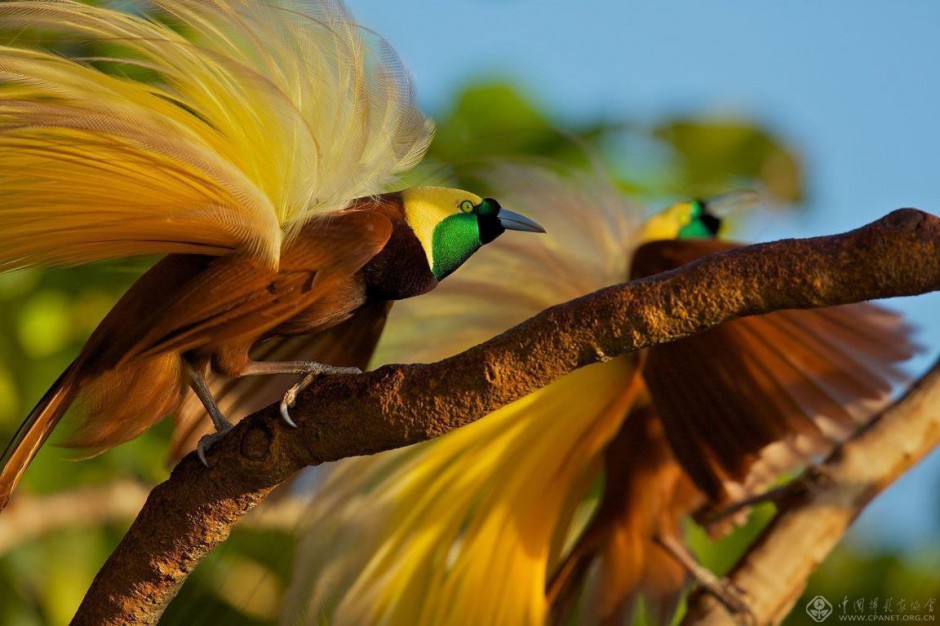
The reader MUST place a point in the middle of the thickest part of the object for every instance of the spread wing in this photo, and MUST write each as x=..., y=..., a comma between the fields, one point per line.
x=757, y=396
x=349, y=344
x=218, y=126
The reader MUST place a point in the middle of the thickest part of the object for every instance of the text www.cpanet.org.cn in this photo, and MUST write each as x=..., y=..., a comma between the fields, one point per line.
x=872, y=610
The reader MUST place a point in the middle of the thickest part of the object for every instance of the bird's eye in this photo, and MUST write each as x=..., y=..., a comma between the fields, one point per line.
x=466, y=206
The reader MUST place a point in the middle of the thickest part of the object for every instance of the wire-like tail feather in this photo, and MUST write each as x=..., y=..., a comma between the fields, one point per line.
x=34, y=431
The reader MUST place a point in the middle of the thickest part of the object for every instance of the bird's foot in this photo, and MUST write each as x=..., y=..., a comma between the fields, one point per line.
x=713, y=518
x=725, y=591
x=729, y=594
x=316, y=370
x=207, y=441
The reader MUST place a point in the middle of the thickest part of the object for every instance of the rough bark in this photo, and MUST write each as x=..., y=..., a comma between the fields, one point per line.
x=397, y=405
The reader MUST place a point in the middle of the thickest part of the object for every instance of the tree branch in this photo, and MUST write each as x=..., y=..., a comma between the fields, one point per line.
x=32, y=516
x=819, y=507
x=398, y=405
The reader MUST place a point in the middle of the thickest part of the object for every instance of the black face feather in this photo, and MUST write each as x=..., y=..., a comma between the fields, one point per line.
x=490, y=228
x=702, y=222
x=711, y=222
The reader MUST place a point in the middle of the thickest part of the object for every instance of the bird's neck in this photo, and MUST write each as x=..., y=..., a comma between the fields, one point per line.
x=401, y=269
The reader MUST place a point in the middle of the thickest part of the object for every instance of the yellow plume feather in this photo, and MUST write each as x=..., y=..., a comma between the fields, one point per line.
x=255, y=117
x=413, y=537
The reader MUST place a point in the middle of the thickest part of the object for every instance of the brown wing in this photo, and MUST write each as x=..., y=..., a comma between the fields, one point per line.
x=235, y=297
x=350, y=344
x=756, y=396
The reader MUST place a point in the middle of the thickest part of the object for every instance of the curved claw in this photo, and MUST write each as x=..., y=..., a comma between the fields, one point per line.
x=285, y=414
x=315, y=369
x=201, y=453
x=290, y=396
x=206, y=442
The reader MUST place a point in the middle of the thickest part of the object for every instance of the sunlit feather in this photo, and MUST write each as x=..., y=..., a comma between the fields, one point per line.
x=251, y=117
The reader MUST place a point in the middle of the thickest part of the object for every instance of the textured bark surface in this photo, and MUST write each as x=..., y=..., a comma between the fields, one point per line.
x=397, y=405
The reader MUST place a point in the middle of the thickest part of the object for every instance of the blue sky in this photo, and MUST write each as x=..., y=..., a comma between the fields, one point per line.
x=855, y=86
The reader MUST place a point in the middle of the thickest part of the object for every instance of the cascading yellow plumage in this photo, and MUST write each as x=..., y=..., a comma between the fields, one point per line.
x=246, y=119
x=413, y=536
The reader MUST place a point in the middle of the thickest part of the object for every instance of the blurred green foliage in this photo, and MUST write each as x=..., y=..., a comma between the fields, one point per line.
x=46, y=315
x=710, y=153
x=693, y=157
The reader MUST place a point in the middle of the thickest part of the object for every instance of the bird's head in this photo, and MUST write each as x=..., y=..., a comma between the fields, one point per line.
x=684, y=220
x=452, y=224
x=698, y=218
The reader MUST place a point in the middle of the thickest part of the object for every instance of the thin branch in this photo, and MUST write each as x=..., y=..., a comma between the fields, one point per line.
x=822, y=504
x=398, y=405
x=33, y=516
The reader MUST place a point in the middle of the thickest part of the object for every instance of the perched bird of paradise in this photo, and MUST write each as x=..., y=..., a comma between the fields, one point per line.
x=249, y=142
x=556, y=505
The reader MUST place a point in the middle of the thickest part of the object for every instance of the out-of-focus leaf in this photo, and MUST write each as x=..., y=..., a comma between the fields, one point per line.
x=714, y=156
x=71, y=561
x=488, y=120
x=677, y=157
x=9, y=398
x=15, y=284
x=495, y=119
x=44, y=324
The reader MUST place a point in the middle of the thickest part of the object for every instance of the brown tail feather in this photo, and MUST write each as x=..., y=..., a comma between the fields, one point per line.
x=34, y=431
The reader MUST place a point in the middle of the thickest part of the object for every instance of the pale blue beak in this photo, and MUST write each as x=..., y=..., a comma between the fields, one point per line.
x=514, y=221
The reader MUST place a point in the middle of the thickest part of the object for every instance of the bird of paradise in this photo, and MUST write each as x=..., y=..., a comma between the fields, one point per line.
x=554, y=506
x=250, y=143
